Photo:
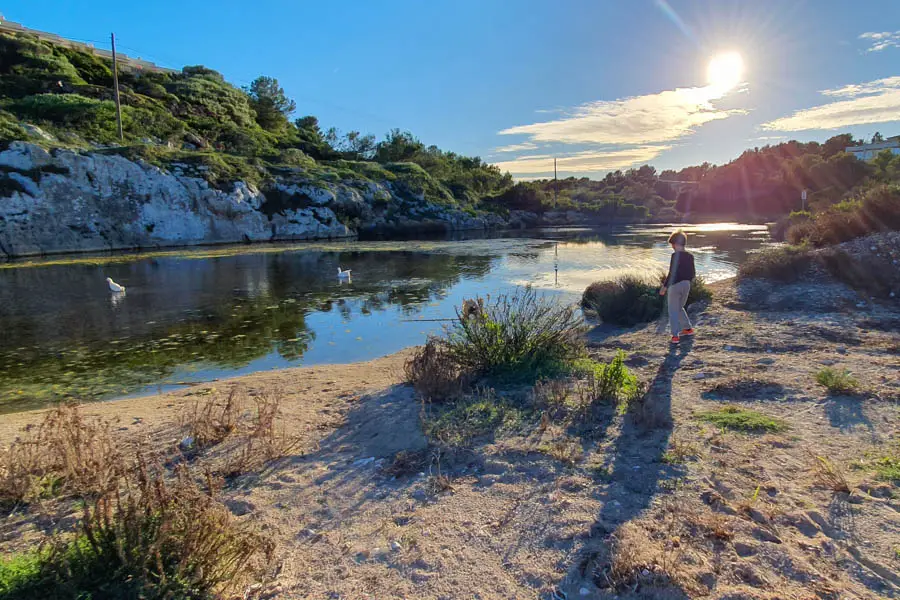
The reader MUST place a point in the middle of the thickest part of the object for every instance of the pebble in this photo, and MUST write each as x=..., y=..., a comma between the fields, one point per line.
x=364, y=461
x=766, y=361
x=860, y=305
x=645, y=573
x=396, y=546
x=584, y=592
x=699, y=376
x=841, y=350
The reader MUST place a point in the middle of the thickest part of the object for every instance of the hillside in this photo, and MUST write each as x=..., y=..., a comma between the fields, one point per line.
x=202, y=161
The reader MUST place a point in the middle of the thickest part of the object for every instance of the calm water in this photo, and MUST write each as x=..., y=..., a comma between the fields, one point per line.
x=203, y=314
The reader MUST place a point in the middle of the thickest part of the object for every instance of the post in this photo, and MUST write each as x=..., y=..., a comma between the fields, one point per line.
x=116, y=87
x=555, y=186
x=803, y=200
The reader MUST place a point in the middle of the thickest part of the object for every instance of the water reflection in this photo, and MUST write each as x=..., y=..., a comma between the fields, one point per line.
x=196, y=316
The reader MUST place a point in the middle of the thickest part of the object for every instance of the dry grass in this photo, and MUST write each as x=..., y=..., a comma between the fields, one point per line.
x=433, y=374
x=212, y=420
x=829, y=475
x=566, y=450
x=637, y=561
x=248, y=430
x=144, y=530
x=65, y=454
x=158, y=535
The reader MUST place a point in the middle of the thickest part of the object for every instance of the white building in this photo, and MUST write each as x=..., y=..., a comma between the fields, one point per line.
x=869, y=151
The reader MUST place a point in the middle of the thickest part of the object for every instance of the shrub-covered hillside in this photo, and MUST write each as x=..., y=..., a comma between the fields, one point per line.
x=195, y=115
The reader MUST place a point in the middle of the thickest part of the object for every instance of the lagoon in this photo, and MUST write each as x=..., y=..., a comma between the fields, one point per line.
x=200, y=314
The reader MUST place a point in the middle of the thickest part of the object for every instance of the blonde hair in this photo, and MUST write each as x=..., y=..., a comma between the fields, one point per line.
x=679, y=238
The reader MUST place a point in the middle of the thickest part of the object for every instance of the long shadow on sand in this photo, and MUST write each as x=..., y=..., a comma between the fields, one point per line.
x=637, y=467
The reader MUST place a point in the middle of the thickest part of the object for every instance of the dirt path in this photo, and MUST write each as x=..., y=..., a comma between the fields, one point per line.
x=655, y=503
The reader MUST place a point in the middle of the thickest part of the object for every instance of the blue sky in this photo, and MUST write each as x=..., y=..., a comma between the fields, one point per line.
x=598, y=84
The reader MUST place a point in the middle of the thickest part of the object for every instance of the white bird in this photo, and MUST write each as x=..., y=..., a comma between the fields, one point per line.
x=113, y=286
x=343, y=274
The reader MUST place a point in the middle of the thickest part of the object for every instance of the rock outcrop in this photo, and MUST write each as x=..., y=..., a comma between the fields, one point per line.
x=69, y=201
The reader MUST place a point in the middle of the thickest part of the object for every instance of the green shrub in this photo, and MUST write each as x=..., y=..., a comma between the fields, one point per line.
x=837, y=382
x=626, y=301
x=739, y=419
x=630, y=300
x=517, y=336
x=611, y=382
x=784, y=263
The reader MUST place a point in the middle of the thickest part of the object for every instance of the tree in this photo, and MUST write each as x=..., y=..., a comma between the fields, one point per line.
x=837, y=143
x=271, y=104
x=877, y=138
x=398, y=146
x=352, y=145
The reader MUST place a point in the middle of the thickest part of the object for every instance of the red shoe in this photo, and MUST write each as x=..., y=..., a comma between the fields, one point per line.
x=675, y=339
x=687, y=331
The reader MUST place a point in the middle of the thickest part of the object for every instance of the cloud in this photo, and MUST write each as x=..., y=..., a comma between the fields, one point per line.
x=649, y=119
x=580, y=162
x=516, y=147
x=881, y=40
x=861, y=104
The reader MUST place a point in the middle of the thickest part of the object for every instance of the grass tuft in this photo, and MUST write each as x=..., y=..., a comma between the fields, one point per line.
x=740, y=419
x=837, y=382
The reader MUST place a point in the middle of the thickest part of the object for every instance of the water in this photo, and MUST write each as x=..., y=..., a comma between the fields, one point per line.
x=201, y=314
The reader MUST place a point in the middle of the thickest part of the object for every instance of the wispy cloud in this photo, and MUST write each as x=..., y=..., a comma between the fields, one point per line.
x=648, y=119
x=859, y=104
x=881, y=40
x=580, y=162
x=516, y=147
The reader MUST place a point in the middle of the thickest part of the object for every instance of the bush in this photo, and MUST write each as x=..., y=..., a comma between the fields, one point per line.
x=631, y=300
x=154, y=540
x=785, y=263
x=517, y=336
x=625, y=301
x=837, y=382
x=876, y=209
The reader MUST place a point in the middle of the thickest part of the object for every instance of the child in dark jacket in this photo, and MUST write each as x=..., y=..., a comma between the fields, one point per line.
x=678, y=285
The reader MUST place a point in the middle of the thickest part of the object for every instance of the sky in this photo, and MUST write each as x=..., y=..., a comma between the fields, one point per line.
x=598, y=84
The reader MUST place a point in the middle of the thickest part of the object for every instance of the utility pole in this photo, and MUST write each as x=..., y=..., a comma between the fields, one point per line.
x=116, y=86
x=555, y=186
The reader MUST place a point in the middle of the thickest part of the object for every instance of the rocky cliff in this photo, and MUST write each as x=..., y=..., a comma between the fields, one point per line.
x=60, y=200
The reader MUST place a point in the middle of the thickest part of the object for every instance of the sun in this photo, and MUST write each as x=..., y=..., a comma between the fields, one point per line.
x=725, y=70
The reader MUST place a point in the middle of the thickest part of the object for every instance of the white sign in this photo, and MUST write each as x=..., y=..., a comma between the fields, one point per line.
x=803, y=195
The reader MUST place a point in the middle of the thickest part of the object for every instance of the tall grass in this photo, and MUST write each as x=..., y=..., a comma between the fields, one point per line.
x=632, y=299
x=65, y=454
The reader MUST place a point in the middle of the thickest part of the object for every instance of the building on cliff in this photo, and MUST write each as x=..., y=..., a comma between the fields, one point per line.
x=870, y=151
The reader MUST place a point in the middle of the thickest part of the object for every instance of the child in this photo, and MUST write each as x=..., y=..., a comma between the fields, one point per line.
x=678, y=285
